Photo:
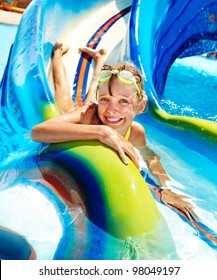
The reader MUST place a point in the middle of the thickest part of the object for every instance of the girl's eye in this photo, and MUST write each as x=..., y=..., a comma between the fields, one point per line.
x=124, y=101
x=103, y=99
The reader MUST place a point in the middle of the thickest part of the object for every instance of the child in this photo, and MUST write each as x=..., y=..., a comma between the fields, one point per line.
x=116, y=95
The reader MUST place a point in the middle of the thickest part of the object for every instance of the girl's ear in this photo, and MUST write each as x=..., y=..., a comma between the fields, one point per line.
x=142, y=105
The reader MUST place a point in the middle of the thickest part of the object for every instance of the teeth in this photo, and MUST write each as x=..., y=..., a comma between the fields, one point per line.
x=113, y=119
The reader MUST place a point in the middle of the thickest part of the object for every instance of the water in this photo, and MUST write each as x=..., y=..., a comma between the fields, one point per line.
x=43, y=227
x=191, y=88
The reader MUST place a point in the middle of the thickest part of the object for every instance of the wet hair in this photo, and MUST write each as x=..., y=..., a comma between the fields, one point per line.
x=131, y=68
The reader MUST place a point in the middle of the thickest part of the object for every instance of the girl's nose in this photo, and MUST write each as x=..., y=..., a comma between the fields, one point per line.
x=113, y=105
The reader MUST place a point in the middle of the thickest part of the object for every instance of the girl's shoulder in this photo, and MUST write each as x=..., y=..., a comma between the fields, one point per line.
x=137, y=134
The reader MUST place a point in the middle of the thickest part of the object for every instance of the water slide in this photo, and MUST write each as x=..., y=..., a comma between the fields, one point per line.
x=173, y=31
x=128, y=30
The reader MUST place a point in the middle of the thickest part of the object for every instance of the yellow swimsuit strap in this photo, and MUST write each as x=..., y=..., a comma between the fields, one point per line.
x=127, y=135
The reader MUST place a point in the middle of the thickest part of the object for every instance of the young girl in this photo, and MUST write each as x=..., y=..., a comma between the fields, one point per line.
x=115, y=96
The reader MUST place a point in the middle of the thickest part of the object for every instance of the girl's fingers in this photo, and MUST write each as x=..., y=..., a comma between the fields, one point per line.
x=123, y=153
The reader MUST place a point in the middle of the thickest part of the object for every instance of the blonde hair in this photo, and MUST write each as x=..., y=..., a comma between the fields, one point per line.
x=136, y=73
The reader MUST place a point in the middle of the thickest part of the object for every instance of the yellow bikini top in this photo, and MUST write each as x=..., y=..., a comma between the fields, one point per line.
x=127, y=135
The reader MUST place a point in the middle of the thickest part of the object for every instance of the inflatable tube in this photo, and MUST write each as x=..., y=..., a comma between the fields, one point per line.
x=114, y=196
x=106, y=188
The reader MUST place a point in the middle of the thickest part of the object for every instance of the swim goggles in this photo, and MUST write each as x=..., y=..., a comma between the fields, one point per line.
x=124, y=76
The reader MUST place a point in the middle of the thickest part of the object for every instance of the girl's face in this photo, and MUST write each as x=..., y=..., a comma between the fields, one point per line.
x=118, y=105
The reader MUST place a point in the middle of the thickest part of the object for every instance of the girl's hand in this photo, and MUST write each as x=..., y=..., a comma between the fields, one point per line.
x=89, y=116
x=109, y=136
x=174, y=200
x=117, y=142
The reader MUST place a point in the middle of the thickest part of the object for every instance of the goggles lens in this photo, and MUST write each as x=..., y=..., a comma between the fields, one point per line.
x=125, y=76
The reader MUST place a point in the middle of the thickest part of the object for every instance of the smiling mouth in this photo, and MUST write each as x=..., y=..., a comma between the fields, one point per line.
x=113, y=120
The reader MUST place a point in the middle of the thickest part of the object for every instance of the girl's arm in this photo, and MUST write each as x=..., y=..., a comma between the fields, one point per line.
x=154, y=165
x=64, y=128
x=138, y=140
x=168, y=197
x=76, y=126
